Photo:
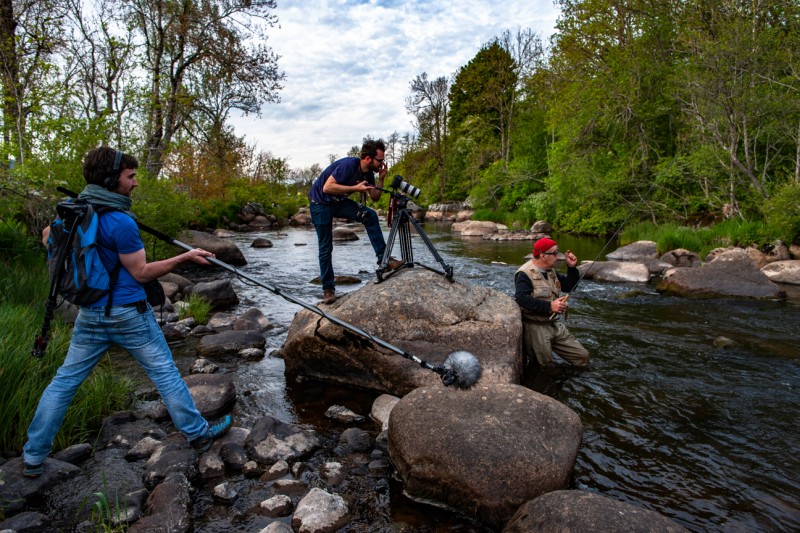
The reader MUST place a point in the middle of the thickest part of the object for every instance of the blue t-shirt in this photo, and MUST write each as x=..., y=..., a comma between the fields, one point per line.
x=346, y=171
x=119, y=234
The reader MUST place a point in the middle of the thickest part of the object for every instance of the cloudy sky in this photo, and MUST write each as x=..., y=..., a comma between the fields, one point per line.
x=349, y=64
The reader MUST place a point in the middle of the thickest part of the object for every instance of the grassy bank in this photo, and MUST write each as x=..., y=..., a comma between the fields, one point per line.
x=700, y=240
x=670, y=236
x=23, y=378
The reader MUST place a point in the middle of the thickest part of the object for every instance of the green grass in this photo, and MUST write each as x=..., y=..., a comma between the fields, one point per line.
x=700, y=240
x=23, y=378
x=199, y=308
x=106, y=517
x=520, y=219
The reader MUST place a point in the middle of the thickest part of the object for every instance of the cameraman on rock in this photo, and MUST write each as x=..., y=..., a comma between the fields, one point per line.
x=328, y=199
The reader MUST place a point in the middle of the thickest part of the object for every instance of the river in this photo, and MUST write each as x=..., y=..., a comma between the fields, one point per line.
x=707, y=436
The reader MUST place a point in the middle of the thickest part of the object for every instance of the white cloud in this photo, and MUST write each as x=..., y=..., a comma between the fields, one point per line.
x=349, y=63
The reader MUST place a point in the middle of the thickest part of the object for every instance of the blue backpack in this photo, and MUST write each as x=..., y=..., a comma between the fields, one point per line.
x=76, y=271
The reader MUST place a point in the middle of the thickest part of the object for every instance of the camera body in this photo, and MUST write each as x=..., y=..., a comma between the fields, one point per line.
x=404, y=187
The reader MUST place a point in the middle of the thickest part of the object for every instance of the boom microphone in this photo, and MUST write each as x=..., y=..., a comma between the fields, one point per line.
x=461, y=369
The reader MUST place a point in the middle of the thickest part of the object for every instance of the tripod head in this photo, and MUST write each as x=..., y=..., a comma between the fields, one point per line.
x=399, y=192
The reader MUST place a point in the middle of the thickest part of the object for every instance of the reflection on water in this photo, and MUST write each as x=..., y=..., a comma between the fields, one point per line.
x=704, y=435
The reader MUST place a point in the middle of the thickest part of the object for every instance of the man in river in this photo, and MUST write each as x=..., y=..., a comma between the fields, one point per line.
x=129, y=322
x=537, y=290
x=328, y=198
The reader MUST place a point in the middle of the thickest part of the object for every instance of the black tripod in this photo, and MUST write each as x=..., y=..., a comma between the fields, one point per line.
x=399, y=219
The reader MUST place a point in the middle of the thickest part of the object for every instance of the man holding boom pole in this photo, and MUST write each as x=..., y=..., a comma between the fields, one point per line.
x=128, y=321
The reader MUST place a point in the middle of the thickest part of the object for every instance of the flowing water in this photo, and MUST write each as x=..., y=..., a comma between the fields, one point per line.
x=707, y=436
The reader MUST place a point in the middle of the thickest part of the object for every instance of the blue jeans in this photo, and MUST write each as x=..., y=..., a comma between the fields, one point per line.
x=93, y=335
x=322, y=216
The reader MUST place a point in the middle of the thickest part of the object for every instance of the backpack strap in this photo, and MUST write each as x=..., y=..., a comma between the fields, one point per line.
x=114, y=274
x=111, y=282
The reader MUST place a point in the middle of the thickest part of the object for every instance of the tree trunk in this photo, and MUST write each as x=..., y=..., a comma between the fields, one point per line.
x=10, y=69
x=797, y=157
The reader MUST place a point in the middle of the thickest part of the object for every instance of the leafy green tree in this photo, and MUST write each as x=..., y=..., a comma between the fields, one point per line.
x=194, y=52
x=482, y=90
x=101, y=62
x=430, y=107
x=30, y=36
x=611, y=109
x=735, y=88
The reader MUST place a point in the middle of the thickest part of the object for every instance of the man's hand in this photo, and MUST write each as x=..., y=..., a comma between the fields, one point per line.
x=362, y=186
x=559, y=305
x=570, y=258
x=198, y=255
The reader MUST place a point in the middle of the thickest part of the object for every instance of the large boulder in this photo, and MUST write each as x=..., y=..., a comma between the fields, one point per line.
x=783, y=271
x=730, y=274
x=681, y=257
x=15, y=488
x=484, y=451
x=344, y=234
x=301, y=218
x=542, y=226
x=635, y=251
x=619, y=271
x=230, y=342
x=224, y=249
x=421, y=313
x=213, y=394
x=219, y=293
x=575, y=511
x=479, y=228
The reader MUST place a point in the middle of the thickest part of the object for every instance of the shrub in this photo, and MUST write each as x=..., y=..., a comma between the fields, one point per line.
x=198, y=307
x=782, y=212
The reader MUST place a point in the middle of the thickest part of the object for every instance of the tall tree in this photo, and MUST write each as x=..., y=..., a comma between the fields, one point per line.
x=526, y=51
x=101, y=60
x=430, y=107
x=30, y=34
x=196, y=49
x=734, y=85
x=611, y=107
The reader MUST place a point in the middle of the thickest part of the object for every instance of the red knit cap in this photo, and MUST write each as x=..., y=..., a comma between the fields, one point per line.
x=542, y=245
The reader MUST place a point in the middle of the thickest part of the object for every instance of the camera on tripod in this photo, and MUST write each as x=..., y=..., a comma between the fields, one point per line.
x=399, y=219
x=404, y=187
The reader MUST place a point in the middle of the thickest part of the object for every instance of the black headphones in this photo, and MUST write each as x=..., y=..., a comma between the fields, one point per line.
x=112, y=180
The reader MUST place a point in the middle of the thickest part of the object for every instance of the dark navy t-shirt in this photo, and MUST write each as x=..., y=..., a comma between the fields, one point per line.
x=346, y=171
x=119, y=234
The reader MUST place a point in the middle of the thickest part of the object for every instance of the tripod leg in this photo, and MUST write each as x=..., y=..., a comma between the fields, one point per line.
x=406, y=251
x=387, y=253
x=448, y=270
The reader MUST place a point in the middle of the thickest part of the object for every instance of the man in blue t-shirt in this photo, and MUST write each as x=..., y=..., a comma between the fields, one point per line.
x=129, y=322
x=328, y=198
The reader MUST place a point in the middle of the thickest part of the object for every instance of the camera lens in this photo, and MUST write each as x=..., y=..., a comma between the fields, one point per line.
x=409, y=189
